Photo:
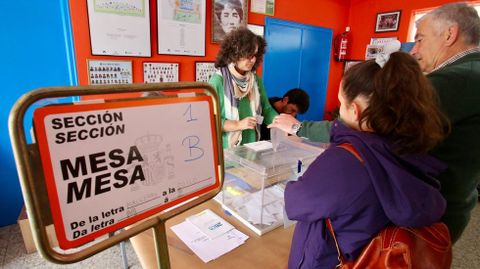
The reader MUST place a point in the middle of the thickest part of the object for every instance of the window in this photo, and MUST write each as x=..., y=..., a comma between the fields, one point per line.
x=418, y=14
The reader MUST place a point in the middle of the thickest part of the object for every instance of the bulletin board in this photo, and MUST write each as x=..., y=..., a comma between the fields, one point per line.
x=102, y=72
x=160, y=72
x=108, y=165
x=204, y=71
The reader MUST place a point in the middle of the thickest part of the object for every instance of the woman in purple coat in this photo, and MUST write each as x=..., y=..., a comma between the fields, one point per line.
x=389, y=115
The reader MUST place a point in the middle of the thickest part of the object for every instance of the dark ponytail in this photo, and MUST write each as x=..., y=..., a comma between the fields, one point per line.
x=402, y=106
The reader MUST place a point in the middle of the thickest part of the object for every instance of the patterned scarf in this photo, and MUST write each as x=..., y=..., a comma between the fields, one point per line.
x=236, y=87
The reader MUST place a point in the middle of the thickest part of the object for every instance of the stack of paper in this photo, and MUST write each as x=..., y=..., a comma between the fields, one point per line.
x=210, y=224
x=208, y=235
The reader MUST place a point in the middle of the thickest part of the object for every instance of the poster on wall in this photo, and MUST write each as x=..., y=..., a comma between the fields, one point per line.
x=160, y=72
x=119, y=27
x=109, y=72
x=109, y=165
x=372, y=51
x=376, y=46
x=381, y=40
x=181, y=27
x=256, y=29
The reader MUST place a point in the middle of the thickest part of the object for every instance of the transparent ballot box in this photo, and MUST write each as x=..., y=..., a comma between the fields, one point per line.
x=255, y=179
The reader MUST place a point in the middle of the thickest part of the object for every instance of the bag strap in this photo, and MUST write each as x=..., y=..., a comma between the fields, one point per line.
x=348, y=147
x=340, y=257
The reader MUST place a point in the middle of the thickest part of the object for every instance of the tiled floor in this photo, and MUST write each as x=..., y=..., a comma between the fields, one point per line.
x=13, y=255
x=466, y=252
x=12, y=252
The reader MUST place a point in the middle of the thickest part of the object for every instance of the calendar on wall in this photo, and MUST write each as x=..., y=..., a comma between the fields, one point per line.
x=109, y=72
x=160, y=72
x=204, y=70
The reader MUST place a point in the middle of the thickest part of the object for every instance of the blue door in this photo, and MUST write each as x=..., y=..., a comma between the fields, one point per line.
x=298, y=56
x=37, y=51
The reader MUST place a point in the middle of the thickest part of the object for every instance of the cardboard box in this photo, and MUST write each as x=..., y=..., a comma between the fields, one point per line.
x=27, y=235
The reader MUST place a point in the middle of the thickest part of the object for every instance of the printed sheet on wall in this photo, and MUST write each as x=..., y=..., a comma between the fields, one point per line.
x=119, y=27
x=181, y=27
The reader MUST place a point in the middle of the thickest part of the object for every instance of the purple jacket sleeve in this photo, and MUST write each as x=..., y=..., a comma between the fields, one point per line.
x=329, y=187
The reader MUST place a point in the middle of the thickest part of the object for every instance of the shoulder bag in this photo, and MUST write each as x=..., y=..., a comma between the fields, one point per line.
x=396, y=247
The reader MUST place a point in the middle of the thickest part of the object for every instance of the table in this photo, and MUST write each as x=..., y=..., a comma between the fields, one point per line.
x=270, y=250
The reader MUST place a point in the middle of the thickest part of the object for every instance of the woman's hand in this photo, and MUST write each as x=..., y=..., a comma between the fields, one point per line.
x=247, y=123
x=284, y=122
x=238, y=125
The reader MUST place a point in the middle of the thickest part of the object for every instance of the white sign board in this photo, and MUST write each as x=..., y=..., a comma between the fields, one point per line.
x=109, y=165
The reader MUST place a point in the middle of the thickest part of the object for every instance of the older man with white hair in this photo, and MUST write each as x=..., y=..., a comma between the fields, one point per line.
x=447, y=48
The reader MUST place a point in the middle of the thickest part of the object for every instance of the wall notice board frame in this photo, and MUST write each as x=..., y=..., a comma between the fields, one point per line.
x=154, y=72
x=266, y=7
x=102, y=72
x=119, y=27
x=181, y=27
x=204, y=70
x=120, y=151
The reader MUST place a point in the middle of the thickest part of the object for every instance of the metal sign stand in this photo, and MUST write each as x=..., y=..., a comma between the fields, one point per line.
x=32, y=179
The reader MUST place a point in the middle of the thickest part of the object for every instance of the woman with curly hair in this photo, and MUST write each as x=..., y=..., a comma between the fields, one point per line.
x=243, y=100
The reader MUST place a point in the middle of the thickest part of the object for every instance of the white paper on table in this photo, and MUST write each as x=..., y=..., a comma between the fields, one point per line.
x=210, y=223
x=208, y=249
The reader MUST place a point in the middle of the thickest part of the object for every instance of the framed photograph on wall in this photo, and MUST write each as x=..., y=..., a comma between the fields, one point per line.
x=204, y=70
x=227, y=15
x=160, y=72
x=181, y=27
x=102, y=72
x=387, y=21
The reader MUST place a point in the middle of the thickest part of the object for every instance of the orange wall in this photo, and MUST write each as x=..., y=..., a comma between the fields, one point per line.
x=363, y=14
x=360, y=15
x=326, y=13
